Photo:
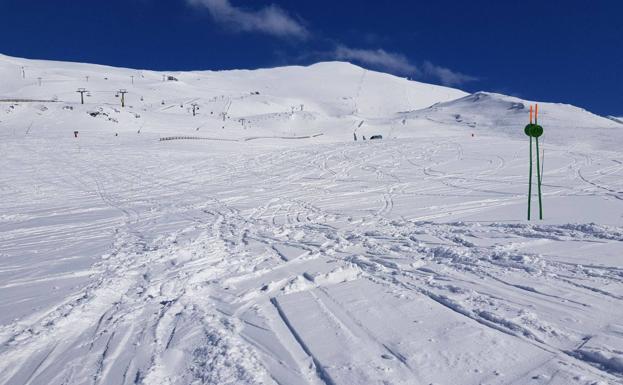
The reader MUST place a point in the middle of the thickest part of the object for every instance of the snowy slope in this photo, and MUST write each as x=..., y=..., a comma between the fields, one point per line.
x=251, y=257
x=485, y=113
x=616, y=119
x=353, y=91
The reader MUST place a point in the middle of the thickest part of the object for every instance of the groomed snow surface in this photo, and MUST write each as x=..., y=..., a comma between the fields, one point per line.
x=272, y=248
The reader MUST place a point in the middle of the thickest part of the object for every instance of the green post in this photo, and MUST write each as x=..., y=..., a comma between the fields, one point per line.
x=534, y=131
x=530, y=181
x=538, y=177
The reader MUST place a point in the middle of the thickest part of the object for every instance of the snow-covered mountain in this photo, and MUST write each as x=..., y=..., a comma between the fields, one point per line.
x=334, y=99
x=231, y=253
x=485, y=112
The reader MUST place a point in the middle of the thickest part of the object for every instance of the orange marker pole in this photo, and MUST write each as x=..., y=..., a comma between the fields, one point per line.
x=531, y=114
x=536, y=114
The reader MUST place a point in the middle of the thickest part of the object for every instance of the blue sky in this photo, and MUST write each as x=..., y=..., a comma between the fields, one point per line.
x=563, y=51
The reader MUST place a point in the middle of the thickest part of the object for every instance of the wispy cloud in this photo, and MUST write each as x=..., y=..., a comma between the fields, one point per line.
x=271, y=19
x=275, y=21
x=377, y=58
x=446, y=76
x=399, y=64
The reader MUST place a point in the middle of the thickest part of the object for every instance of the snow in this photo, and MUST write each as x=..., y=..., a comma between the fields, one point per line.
x=274, y=249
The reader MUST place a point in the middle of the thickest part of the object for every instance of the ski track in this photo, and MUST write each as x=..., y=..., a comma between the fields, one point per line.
x=205, y=265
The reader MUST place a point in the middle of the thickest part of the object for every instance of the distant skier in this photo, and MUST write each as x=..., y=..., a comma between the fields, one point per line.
x=355, y=135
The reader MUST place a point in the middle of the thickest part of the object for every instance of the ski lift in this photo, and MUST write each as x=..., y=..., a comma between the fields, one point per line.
x=88, y=94
x=116, y=95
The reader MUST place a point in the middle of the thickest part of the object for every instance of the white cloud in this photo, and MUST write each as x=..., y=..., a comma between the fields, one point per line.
x=446, y=76
x=399, y=64
x=378, y=58
x=273, y=20
x=270, y=20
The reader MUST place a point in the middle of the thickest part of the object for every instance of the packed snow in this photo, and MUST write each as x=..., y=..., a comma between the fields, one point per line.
x=256, y=242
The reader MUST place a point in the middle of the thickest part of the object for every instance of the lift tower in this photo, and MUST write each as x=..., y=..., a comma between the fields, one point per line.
x=81, y=91
x=123, y=92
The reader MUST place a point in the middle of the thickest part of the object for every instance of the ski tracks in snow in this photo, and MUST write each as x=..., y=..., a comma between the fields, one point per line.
x=315, y=266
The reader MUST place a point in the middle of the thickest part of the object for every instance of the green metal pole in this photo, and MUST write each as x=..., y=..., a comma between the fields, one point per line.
x=530, y=181
x=538, y=172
